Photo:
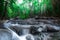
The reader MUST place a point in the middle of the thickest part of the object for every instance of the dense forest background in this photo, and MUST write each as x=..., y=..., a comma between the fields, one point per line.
x=54, y=13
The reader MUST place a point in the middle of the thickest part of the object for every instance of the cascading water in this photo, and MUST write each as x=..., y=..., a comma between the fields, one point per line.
x=29, y=30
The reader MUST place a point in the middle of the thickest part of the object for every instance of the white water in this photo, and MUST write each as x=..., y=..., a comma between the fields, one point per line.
x=15, y=36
